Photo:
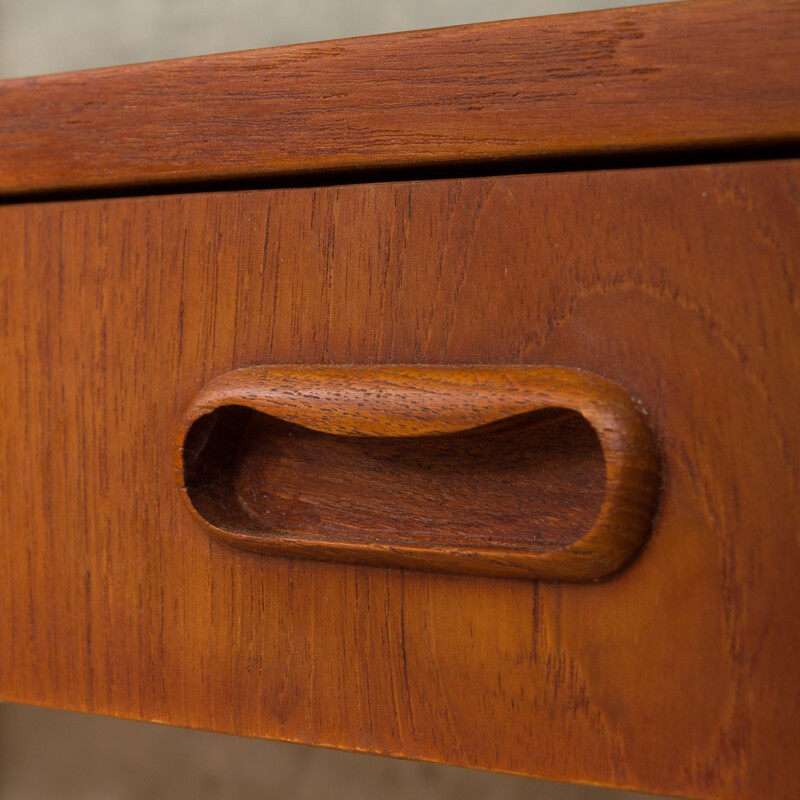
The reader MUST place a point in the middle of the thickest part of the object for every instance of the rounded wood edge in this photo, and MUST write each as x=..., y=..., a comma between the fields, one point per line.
x=522, y=100
x=629, y=448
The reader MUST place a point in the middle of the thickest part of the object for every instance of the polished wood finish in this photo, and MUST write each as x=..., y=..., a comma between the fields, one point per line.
x=515, y=495
x=681, y=285
x=677, y=76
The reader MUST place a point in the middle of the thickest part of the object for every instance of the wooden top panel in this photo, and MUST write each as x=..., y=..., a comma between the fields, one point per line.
x=716, y=73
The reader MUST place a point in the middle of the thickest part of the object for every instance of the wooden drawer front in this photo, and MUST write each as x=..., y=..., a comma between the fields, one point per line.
x=680, y=284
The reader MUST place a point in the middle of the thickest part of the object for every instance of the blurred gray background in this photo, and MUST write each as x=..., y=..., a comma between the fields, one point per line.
x=55, y=754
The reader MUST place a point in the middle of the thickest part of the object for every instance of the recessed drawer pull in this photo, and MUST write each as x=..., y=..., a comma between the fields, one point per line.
x=537, y=472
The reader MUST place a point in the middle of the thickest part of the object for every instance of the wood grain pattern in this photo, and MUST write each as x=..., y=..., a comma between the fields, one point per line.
x=544, y=522
x=709, y=74
x=678, y=676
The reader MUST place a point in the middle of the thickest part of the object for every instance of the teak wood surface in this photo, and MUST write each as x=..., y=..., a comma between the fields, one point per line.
x=490, y=472
x=712, y=74
x=679, y=675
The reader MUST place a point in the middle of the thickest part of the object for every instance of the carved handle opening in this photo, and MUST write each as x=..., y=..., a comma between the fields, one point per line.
x=535, y=472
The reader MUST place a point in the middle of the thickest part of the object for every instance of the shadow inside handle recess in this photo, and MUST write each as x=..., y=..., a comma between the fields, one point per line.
x=534, y=481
